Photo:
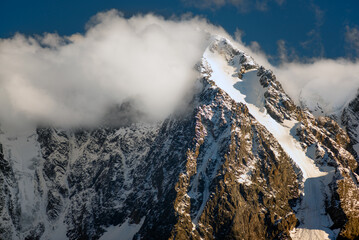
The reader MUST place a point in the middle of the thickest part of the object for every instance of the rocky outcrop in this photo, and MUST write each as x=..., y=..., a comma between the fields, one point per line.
x=240, y=189
x=332, y=145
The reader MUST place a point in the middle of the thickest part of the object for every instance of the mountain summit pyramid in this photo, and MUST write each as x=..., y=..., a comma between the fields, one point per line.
x=244, y=162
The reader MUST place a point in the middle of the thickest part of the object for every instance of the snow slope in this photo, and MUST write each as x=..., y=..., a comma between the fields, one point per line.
x=124, y=232
x=314, y=223
x=24, y=153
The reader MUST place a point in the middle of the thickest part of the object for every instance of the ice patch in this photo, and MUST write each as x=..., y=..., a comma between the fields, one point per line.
x=125, y=232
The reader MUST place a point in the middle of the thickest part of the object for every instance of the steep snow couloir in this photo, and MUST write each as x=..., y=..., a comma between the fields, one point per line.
x=243, y=85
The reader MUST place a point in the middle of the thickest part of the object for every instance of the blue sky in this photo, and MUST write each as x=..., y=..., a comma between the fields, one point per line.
x=300, y=29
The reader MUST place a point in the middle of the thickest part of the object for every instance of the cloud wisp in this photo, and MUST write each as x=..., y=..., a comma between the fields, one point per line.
x=73, y=80
x=352, y=40
x=241, y=5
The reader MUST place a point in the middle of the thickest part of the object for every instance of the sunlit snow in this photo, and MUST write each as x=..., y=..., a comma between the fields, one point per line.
x=314, y=222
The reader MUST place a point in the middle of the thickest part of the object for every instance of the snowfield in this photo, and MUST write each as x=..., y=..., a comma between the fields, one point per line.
x=125, y=231
x=314, y=223
x=24, y=152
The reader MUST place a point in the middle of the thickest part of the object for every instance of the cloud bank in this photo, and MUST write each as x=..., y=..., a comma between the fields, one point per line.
x=73, y=80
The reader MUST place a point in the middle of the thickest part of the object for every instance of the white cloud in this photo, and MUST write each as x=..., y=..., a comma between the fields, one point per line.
x=330, y=83
x=74, y=80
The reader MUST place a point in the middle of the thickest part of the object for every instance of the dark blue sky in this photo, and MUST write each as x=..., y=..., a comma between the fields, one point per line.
x=309, y=28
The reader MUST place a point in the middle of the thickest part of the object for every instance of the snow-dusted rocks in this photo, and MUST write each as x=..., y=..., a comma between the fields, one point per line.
x=244, y=162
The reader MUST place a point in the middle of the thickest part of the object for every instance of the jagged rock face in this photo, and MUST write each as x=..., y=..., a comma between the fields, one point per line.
x=278, y=104
x=235, y=181
x=331, y=146
x=9, y=217
x=328, y=145
x=208, y=168
x=230, y=172
x=85, y=181
x=214, y=172
x=350, y=120
x=104, y=168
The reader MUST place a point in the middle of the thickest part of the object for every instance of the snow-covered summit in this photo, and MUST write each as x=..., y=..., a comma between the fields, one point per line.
x=245, y=82
x=243, y=163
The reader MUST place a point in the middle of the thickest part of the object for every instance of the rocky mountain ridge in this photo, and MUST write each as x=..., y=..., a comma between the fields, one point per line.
x=243, y=163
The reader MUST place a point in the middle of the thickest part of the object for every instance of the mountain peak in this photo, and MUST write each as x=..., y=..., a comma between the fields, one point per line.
x=244, y=162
